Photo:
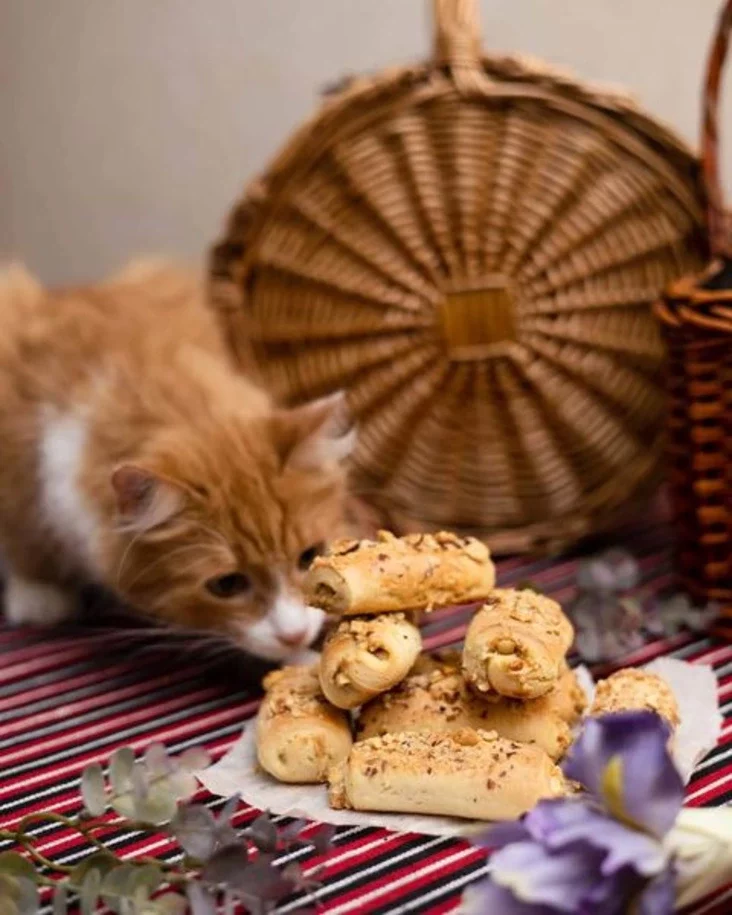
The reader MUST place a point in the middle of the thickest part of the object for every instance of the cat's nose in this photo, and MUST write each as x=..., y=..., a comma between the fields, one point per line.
x=293, y=639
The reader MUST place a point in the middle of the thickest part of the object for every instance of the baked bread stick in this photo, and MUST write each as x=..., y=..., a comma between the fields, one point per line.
x=472, y=774
x=516, y=645
x=299, y=735
x=394, y=574
x=366, y=656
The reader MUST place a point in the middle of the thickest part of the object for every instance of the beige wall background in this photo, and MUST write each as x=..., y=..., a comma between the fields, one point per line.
x=130, y=126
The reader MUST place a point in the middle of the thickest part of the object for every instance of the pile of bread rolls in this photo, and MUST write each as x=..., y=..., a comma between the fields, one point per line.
x=475, y=734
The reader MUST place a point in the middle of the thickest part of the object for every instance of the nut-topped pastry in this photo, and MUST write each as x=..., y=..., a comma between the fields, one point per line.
x=394, y=574
x=568, y=699
x=473, y=774
x=440, y=701
x=631, y=689
x=299, y=735
x=366, y=656
x=516, y=645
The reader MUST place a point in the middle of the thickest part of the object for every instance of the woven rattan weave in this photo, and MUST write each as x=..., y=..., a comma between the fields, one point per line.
x=697, y=317
x=469, y=247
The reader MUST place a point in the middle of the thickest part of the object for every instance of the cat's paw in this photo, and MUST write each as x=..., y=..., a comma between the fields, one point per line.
x=35, y=603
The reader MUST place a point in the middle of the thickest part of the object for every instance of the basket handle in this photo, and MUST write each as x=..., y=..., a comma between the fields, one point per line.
x=720, y=236
x=457, y=41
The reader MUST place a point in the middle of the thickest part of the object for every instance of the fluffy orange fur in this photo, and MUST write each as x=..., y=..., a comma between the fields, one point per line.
x=135, y=455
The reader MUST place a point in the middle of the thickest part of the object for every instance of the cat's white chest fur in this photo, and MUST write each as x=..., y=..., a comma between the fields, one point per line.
x=62, y=445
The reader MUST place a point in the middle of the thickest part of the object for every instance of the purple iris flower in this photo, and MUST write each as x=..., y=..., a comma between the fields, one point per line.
x=599, y=852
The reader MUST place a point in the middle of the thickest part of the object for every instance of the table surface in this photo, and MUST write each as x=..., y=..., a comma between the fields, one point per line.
x=72, y=697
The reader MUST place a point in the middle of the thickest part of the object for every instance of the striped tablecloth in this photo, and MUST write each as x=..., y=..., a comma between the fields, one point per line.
x=67, y=699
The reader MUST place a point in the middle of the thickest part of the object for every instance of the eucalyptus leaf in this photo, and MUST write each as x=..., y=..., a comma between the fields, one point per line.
x=171, y=904
x=101, y=861
x=194, y=759
x=157, y=760
x=183, y=784
x=143, y=882
x=322, y=839
x=299, y=881
x=114, y=886
x=8, y=887
x=265, y=881
x=124, y=805
x=201, y=900
x=89, y=892
x=293, y=835
x=159, y=806
x=227, y=812
x=263, y=833
x=225, y=832
x=120, y=769
x=27, y=901
x=228, y=866
x=293, y=873
x=140, y=782
x=60, y=900
x=16, y=865
x=195, y=827
x=93, y=790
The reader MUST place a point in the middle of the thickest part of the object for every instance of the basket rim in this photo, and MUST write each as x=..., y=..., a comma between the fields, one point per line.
x=691, y=286
x=687, y=302
x=512, y=75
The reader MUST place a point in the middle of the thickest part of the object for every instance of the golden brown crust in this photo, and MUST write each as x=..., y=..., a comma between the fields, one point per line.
x=516, y=645
x=468, y=773
x=444, y=659
x=299, y=735
x=567, y=699
x=394, y=574
x=366, y=656
x=630, y=689
x=439, y=701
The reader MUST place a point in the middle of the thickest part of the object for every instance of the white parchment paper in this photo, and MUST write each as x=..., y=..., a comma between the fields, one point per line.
x=694, y=686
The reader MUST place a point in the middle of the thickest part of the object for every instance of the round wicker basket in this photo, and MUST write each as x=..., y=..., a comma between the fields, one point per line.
x=469, y=247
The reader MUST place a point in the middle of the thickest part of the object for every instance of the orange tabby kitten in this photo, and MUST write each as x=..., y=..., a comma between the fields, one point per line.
x=134, y=456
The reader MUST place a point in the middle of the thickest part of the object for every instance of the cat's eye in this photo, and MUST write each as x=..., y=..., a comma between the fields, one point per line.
x=231, y=585
x=307, y=556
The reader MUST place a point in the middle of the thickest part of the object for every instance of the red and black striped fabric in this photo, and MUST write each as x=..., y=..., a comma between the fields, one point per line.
x=67, y=699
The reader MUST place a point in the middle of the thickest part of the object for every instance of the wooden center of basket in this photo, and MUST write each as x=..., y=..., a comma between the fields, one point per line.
x=476, y=320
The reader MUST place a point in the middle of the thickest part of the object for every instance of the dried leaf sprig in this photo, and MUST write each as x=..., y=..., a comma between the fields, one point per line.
x=217, y=867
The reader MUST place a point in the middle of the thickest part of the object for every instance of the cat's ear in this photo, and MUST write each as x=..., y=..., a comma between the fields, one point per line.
x=316, y=434
x=144, y=500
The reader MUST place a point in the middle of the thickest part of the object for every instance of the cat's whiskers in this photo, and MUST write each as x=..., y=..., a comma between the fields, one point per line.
x=125, y=555
x=186, y=640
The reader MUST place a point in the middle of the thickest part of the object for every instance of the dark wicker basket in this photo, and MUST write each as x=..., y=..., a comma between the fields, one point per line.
x=697, y=317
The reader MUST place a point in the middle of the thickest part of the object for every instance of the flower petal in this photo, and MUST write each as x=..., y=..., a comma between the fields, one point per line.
x=623, y=761
x=659, y=898
x=502, y=834
x=561, y=822
x=560, y=880
x=615, y=895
